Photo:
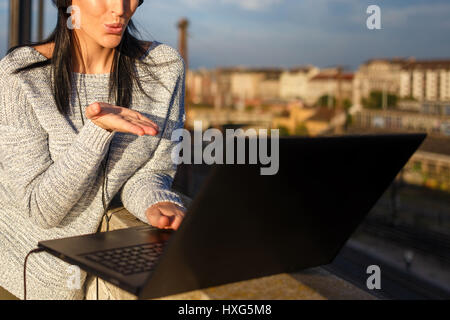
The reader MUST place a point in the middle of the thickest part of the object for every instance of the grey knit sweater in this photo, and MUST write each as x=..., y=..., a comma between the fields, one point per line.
x=50, y=165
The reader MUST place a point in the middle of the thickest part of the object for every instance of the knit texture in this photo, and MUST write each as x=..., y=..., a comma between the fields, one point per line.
x=50, y=165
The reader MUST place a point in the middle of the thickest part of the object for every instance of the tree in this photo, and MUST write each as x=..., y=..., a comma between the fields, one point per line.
x=324, y=100
x=301, y=130
x=375, y=100
x=347, y=104
x=283, y=131
x=249, y=107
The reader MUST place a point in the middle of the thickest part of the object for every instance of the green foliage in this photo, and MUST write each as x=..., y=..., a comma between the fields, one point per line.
x=347, y=104
x=249, y=107
x=348, y=120
x=323, y=101
x=266, y=107
x=201, y=106
x=301, y=130
x=375, y=100
x=283, y=131
x=417, y=166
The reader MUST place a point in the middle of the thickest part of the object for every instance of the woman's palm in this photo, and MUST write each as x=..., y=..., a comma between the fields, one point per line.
x=114, y=118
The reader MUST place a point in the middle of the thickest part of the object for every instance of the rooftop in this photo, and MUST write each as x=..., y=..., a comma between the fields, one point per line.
x=301, y=69
x=343, y=76
x=323, y=114
x=413, y=63
x=428, y=64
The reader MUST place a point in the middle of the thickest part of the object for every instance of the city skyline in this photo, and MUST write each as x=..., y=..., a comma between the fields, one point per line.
x=284, y=33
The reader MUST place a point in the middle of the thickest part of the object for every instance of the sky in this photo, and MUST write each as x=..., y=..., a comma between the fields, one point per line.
x=288, y=33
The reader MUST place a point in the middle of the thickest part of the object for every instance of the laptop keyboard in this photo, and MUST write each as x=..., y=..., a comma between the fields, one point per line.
x=129, y=260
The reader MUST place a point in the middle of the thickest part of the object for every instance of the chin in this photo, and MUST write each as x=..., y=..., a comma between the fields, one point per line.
x=111, y=41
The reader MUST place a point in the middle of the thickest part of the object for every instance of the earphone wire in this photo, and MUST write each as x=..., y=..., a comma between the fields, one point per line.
x=103, y=184
x=104, y=164
x=105, y=179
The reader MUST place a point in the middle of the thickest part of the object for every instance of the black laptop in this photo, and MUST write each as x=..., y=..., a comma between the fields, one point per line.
x=244, y=225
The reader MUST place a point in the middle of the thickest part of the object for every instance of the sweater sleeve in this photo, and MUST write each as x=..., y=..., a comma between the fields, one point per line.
x=151, y=183
x=45, y=190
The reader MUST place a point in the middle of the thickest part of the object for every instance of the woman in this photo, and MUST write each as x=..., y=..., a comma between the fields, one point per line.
x=53, y=153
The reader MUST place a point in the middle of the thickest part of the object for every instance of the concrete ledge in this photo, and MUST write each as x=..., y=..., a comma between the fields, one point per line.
x=330, y=286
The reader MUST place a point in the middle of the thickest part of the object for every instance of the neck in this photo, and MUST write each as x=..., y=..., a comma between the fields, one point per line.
x=89, y=56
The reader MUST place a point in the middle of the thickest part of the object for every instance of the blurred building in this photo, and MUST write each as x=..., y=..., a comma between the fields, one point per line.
x=429, y=168
x=406, y=121
x=202, y=86
x=294, y=82
x=251, y=84
x=295, y=116
x=327, y=83
x=269, y=87
x=407, y=78
x=319, y=123
x=426, y=80
x=235, y=86
x=241, y=86
x=210, y=87
x=223, y=98
x=378, y=75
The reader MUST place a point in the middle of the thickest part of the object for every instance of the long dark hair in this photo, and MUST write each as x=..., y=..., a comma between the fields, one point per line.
x=123, y=73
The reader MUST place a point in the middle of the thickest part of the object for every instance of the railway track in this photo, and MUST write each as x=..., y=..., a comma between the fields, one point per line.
x=428, y=242
x=396, y=283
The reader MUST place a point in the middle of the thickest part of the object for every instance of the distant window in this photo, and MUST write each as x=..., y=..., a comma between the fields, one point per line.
x=417, y=166
x=378, y=122
x=432, y=168
x=445, y=173
x=389, y=122
x=445, y=129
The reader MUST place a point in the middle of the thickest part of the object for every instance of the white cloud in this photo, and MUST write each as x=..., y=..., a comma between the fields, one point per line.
x=250, y=5
x=254, y=5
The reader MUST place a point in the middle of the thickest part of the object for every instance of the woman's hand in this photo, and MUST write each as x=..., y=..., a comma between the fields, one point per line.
x=165, y=215
x=114, y=118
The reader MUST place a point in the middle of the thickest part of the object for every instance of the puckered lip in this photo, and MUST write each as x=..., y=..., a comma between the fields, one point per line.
x=114, y=25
